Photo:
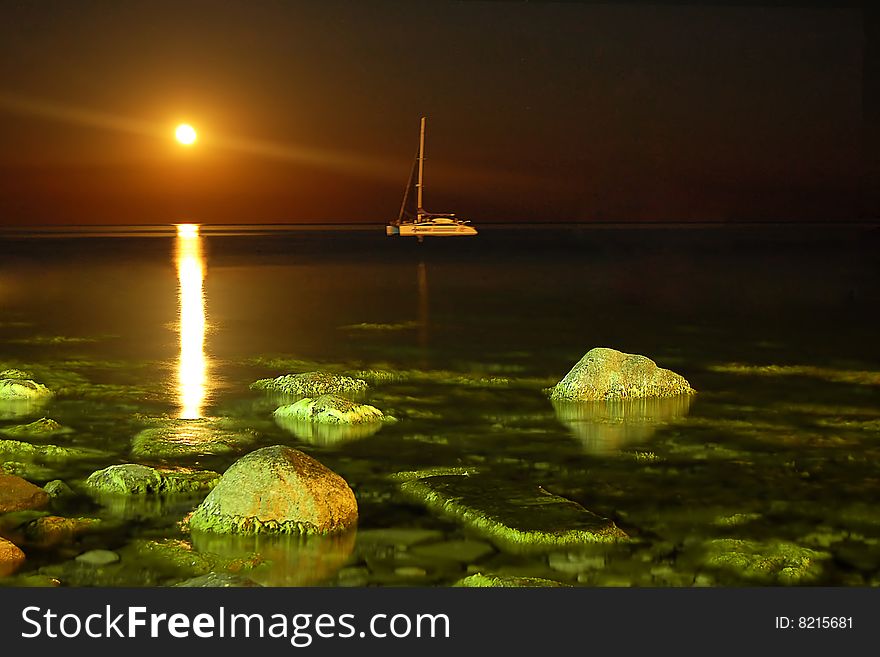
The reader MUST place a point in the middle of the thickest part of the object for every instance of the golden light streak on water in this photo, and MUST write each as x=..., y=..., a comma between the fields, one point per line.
x=192, y=370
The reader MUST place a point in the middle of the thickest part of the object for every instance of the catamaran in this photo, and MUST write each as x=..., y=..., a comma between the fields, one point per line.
x=414, y=220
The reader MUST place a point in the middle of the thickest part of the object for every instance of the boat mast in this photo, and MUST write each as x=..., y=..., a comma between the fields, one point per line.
x=421, y=166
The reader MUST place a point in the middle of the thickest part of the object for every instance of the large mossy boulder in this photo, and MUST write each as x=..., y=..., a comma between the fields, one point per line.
x=330, y=409
x=516, y=516
x=277, y=489
x=610, y=374
x=186, y=438
x=135, y=479
x=17, y=494
x=312, y=384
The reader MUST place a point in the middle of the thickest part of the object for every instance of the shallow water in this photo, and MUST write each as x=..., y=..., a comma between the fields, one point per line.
x=774, y=327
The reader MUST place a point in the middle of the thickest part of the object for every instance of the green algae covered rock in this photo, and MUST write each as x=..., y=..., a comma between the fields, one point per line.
x=777, y=562
x=610, y=374
x=42, y=427
x=330, y=409
x=15, y=373
x=134, y=479
x=479, y=580
x=17, y=449
x=311, y=384
x=517, y=516
x=277, y=489
x=23, y=389
x=218, y=580
x=187, y=438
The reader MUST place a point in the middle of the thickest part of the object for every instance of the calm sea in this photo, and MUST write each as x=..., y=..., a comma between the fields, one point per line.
x=773, y=465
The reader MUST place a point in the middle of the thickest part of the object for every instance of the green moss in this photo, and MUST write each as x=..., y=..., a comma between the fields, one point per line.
x=18, y=449
x=311, y=384
x=330, y=409
x=133, y=479
x=479, y=580
x=860, y=377
x=514, y=515
x=42, y=427
x=773, y=562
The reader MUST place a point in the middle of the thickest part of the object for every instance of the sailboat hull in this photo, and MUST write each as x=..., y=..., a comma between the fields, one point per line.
x=431, y=230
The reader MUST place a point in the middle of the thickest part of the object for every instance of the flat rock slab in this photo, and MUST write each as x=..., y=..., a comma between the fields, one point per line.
x=17, y=494
x=397, y=537
x=516, y=516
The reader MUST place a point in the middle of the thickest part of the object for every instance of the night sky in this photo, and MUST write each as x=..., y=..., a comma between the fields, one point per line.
x=308, y=112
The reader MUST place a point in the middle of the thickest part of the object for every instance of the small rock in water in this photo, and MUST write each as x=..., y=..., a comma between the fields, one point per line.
x=462, y=551
x=330, y=409
x=15, y=389
x=98, y=557
x=311, y=384
x=134, y=479
x=58, y=489
x=479, y=580
x=183, y=438
x=410, y=571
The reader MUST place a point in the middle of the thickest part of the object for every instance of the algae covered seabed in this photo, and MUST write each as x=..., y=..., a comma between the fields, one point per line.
x=767, y=476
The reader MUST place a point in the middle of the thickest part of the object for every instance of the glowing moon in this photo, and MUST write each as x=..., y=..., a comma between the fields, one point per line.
x=185, y=134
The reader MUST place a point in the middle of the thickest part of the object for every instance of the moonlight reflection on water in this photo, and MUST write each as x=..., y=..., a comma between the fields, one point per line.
x=192, y=370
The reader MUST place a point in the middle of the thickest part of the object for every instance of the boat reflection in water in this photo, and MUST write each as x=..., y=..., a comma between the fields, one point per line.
x=192, y=369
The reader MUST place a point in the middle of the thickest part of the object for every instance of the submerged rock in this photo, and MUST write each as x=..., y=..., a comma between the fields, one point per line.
x=769, y=562
x=479, y=580
x=11, y=558
x=311, y=384
x=16, y=494
x=57, y=489
x=98, y=558
x=330, y=409
x=49, y=531
x=277, y=489
x=42, y=427
x=610, y=374
x=22, y=450
x=517, y=516
x=182, y=438
x=218, y=580
x=608, y=426
x=134, y=479
x=23, y=389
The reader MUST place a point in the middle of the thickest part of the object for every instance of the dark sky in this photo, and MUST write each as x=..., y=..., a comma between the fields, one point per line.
x=308, y=112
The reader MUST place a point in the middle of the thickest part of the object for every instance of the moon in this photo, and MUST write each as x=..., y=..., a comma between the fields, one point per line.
x=185, y=134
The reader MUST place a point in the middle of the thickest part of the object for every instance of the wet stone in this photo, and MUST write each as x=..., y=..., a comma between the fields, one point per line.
x=516, y=516
x=17, y=494
x=218, y=580
x=479, y=580
x=398, y=537
x=98, y=557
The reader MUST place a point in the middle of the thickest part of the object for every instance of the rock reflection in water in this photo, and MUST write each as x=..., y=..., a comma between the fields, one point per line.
x=288, y=559
x=607, y=426
x=12, y=409
x=322, y=433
